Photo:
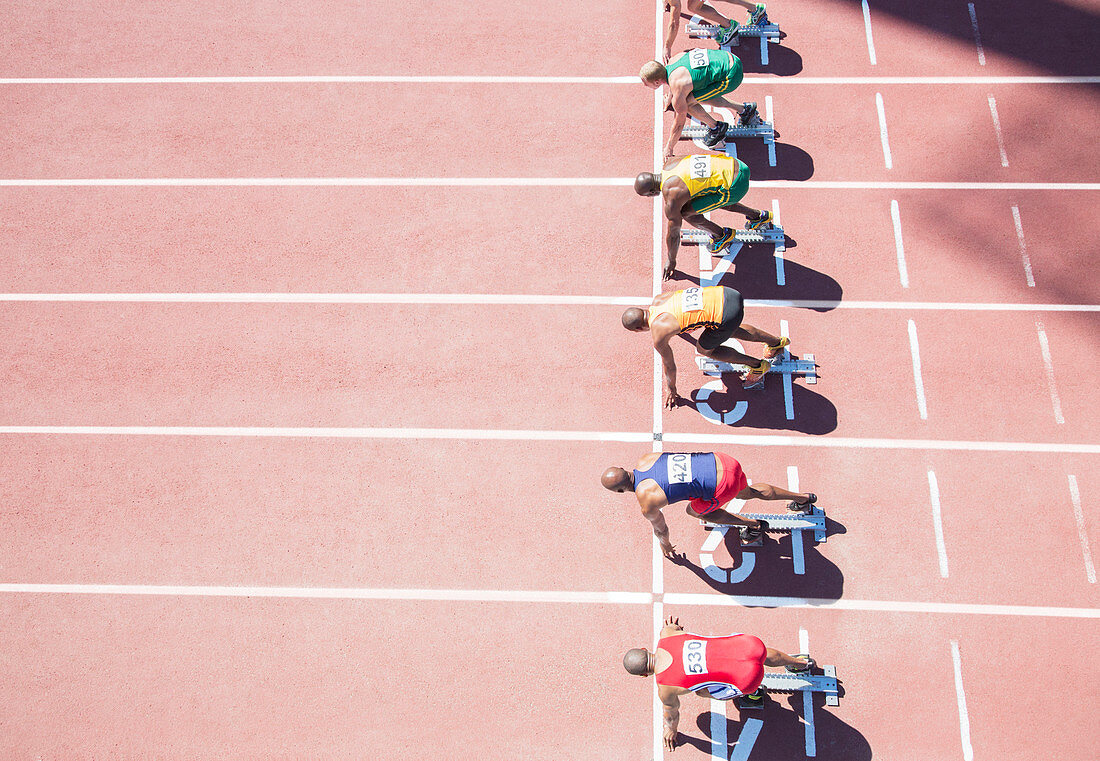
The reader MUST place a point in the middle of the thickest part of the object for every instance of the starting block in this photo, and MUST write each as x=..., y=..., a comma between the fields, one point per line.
x=771, y=234
x=812, y=520
x=765, y=31
x=761, y=129
x=790, y=683
x=784, y=364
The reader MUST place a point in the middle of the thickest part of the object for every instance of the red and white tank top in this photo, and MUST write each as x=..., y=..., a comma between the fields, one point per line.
x=726, y=666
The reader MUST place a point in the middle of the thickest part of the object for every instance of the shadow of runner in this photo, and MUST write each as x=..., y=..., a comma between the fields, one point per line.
x=791, y=162
x=773, y=570
x=754, y=275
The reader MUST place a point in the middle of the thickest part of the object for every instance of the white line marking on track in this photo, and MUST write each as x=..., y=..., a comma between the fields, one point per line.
x=508, y=298
x=544, y=596
x=514, y=182
x=788, y=384
x=997, y=129
x=780, y=249
x=1023, y=246
x=770, y=118
x=867, y=27
x=478, y=434
x=1048, y=363
x=719, y=742
x=887, y=606
x=1079, y=518
x=918, y=380
x=658, y=559
x=750, y=730
x=977, y=34
x=430, y=79
x=807, y=697
x=964, y=716
x=903, y=271
x=475, y=79
x=882, y=131
x=937, y=521
x=798, y=549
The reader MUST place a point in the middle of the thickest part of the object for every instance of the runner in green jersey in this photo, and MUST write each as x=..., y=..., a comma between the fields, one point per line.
x=694, y=77
x=727, y=28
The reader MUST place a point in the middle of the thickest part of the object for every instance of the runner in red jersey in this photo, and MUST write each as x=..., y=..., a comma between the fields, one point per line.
x=715, y=667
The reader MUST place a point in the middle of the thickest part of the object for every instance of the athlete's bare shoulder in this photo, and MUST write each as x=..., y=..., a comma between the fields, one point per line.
x=647, y=461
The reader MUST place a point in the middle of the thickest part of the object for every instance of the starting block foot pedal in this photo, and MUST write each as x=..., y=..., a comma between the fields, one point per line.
x=771, y=234
x=778, y=523
x=825, y=683
x=764, y=29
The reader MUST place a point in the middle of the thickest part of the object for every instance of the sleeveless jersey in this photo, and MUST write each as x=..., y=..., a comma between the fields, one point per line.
x=683, y=475
x=726, y=667
x=703, y=172
x=693, y=307
x=709, y=70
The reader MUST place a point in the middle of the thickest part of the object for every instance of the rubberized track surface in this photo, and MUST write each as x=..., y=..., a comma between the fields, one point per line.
x=307, y=384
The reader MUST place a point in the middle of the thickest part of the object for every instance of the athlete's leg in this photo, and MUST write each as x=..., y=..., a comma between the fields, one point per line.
x=745, y=332
x=698, y=112
x=721, y=102
x=749, y=4
x=699, y=221
x=748, y=211
x=726, y=354
x=705, y=11
x=779, y=658
x=769, y=492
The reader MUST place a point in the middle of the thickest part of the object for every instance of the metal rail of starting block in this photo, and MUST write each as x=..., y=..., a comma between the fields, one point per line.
x=761, y=129
x=784, y=364
x=791, y=683
x=812, y=520
x=771, y=234
x=766, y=30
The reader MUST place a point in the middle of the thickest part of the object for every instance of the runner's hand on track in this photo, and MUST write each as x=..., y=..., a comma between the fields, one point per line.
x=669, y=269
x=670, y=739
x=667, y=548
x=671, y=399
x=673, y=621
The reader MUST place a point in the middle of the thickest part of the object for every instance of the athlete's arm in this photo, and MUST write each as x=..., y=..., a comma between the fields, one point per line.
x=660, y=345
x=673, y=27
x=674, y=205
x=671, y=702
x=651, y=504
x=681, y=94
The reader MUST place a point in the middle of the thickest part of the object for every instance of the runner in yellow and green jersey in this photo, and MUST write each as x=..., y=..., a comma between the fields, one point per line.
x=694, y=185
x=694, y=77
x=727, y=28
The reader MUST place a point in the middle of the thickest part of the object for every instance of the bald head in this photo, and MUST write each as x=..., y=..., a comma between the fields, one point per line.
x=636, y=661
x=634, y=319
x=653, y=74
x=617, y=479
x=647, y=184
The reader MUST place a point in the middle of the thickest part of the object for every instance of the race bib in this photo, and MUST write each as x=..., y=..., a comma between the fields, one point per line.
x=699, y=166
x=698, y=58
x=679, y=468
x=693, y=300
x=695, y=656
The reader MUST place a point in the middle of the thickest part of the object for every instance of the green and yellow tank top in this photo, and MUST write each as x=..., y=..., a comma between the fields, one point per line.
x=709, y=70
x=693, y=307
x=703, y=172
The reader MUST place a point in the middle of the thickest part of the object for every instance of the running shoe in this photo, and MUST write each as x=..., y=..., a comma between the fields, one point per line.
x=774, y=351
x=727, y=33
x=764, y=220
x=720, y=243
x=758, y=15
x=749, y=114
x=801, y=507
x=752, y=535
x=753, y=700
x=802, y=669
x=715, y=134
x=755, y=378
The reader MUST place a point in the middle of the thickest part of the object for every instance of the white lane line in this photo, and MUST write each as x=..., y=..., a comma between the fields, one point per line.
x=918, y=379
x=867, y=27
x=746, y=740
x=479, y=434
x=780, y=249
x=807, y=697
x=788, y=384
x=457, y=79
x=770, y=118
x=1023, y=246
x=886, y=606
x=508, y=298
x=512, y=182
x=1048, y=363
x=977, y=34
x=997, y=129
x=544, y=596
x=322, y=181
x=657, y=557
x=1040, y=80
x=882, y=131
x=798, y=549
x=964, y=716
x=475, y=79
x=1079, y=517
x=903, y=271
x=937, y=521
x=339, y=593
